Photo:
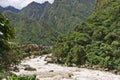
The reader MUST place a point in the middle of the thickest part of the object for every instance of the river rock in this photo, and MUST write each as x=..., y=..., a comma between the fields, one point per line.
x=58, y=77
x=33, y=56
x=49, y=59
x=106, y=69
x=51, y=71
x=67, y=75
x=26, y=65
x=30, y=69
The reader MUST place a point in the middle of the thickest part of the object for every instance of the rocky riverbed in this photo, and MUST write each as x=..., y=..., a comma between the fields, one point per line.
x=48, y=71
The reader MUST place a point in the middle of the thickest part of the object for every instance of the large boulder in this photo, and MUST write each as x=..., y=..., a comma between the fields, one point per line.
x=49, y=59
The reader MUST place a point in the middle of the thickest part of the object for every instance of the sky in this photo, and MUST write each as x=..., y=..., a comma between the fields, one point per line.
x=20, y=3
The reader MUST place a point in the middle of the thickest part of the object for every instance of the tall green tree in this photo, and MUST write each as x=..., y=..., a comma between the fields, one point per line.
x=6, y=34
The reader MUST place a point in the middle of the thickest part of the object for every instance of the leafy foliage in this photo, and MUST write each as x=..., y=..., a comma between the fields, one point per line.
x=7, y=48
x=96, y=41
x=70, y=48
x=14, y=77
x=6, y=33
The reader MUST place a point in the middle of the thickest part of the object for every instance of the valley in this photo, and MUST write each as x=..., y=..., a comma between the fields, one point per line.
x=63, y=40
x=52, y=71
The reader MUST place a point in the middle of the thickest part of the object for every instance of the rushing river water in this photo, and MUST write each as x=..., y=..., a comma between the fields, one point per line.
x=49, y=71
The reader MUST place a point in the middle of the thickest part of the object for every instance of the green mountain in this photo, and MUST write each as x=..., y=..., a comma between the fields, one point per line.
x=63, y=15
x=31, y=31
x=41, y=23
x=96, y=41
x=10, y=8
x=28, y=27
x=34, y=10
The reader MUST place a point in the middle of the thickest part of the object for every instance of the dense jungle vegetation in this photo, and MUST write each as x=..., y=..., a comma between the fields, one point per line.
x=96, y=41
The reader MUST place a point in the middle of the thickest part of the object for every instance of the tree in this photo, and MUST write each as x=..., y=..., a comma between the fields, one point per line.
x=97, y=40
x=8, y=51
x=6, y=32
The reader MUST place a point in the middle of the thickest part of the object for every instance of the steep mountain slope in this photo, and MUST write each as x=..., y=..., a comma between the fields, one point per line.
x=41, y=23
x=31, y=31
x=34, y=10
x=10, y=8
x=64, y=14
x=96, y=41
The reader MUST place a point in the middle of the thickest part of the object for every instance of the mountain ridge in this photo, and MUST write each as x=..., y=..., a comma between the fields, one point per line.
x=34, y=10
x=10, y=8
x=63, y=12
x=32, y=20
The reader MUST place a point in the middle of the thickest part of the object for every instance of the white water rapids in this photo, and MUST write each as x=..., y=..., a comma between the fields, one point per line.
x=51, y=71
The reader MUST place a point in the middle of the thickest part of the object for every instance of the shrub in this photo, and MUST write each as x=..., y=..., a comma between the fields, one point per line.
x=15, y=77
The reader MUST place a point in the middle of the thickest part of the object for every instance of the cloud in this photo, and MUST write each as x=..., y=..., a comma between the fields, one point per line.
x=20, y=3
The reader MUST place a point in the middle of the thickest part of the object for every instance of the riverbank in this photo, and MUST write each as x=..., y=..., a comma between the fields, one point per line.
x=49, y=71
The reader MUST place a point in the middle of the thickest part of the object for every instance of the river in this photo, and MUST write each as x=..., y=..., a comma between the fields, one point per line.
x=49, y=71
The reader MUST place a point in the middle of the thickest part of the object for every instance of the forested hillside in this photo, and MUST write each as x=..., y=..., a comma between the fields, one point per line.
x=34, y=10
x=63, y=15
x=30, y=30
x=41, y=23
x=92, y=40
x=96, y=41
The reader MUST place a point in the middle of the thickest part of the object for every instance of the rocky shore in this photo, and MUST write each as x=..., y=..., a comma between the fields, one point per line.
x=49, y=71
